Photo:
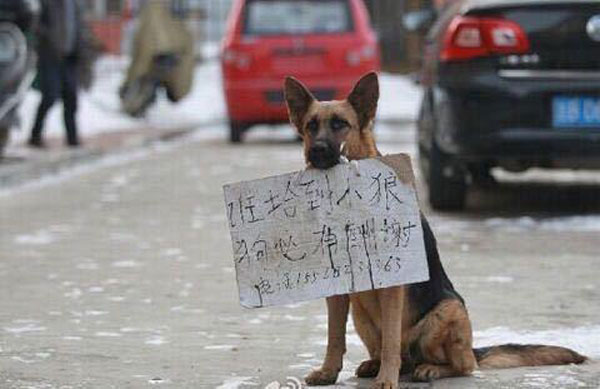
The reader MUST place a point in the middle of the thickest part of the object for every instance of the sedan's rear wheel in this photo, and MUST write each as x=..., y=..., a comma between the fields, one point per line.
x=481, y=175
x=446, y=179
x=236, y=131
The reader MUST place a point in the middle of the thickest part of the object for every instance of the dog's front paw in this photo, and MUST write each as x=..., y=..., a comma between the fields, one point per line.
x=382, y=383
x=426, y=373
x=368, y=369
x=322, y=377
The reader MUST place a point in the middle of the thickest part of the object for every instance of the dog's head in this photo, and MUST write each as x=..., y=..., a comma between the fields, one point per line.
x=326, y=126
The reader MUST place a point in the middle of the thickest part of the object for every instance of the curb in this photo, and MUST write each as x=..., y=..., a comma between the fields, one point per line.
x=16, y=171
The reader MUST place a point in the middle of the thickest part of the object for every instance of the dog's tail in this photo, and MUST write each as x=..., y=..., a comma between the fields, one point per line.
x=515, y=355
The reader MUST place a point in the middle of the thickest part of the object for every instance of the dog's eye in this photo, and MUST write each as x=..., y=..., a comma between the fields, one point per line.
x=313, y=126
x=337, y=124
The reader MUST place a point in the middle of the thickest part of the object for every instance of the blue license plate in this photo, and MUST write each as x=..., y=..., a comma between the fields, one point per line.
x=575, y=111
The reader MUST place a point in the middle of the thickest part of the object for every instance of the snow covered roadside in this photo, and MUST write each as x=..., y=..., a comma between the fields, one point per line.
x=576, y=223
x=400, y=98
x=99, y=108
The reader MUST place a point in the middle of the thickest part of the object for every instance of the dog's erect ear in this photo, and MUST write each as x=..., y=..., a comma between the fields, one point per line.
x=298, y=100
x=364, y=97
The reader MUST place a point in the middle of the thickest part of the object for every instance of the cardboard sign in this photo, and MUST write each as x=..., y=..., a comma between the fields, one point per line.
x=315, y=233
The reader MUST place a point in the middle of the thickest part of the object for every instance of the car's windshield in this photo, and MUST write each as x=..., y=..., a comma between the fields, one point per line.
x=286, y=17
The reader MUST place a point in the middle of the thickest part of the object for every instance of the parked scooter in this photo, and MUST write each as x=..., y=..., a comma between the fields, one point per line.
x=162, y=58
x=18, y=19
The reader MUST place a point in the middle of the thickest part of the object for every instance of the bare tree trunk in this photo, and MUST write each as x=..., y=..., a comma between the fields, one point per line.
x=400, y=50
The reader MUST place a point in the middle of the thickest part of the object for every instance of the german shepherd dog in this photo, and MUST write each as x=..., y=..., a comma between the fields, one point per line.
x=422, y=329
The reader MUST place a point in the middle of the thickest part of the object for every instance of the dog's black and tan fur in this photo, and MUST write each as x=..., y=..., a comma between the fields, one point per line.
x=423, y=329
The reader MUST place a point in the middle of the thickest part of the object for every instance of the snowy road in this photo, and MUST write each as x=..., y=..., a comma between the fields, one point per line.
x=119, y=274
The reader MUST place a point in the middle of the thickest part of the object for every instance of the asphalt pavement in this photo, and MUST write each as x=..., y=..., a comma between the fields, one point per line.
x=117, y=272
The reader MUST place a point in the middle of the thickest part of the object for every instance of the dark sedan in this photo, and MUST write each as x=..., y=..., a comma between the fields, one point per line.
x=508, y=83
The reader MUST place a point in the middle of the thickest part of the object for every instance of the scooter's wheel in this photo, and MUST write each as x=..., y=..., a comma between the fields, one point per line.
x=138, y=96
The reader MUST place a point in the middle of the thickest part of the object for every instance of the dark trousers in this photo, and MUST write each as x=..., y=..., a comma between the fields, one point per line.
x=58, y=80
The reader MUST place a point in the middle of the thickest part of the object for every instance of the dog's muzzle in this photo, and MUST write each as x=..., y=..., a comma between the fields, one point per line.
x=323, y=155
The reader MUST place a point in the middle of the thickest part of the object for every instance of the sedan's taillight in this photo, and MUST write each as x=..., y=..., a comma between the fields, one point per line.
x=471, y=37
x=236, y=58
x=365, y=53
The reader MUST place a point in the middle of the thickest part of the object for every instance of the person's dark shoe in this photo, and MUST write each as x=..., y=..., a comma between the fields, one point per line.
x=37, y=143
x=74, y=143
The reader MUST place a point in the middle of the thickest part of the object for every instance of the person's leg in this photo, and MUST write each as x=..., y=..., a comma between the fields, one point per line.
x=69, y=96
x=49, y=79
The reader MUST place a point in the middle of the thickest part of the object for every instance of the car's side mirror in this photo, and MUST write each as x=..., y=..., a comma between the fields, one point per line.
x=420, y=20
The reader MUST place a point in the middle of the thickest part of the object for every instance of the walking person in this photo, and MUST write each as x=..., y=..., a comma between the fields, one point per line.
x=59, y=43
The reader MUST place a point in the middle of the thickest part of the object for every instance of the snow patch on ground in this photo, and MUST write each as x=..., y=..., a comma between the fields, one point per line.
x=79, y=170
x=126, y=264
x=584, y=223
x=294, y=318
x=499, y=279
x=541, y=380
x=113, y=160
x=38, y=238
x=237, y=382
x=74, y=338
x=104, y=334
x=554, y=176
x=26, y=328
x=95, y=289
x=88, y=265
x=567, y=223
x=156, y=341
x=226, y=347
x=584, y=340
x=74, y=293
x=22, y=360
x=91, y=312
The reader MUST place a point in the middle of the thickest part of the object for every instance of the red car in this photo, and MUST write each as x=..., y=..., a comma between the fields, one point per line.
x=328, y=44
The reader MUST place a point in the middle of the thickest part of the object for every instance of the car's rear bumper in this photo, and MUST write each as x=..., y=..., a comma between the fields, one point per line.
x=482, y=115
x=530, y=144
x=262, y=100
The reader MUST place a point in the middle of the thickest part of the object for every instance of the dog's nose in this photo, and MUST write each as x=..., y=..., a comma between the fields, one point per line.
x=322, y=156
x=320, y=150
x=320, y=147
